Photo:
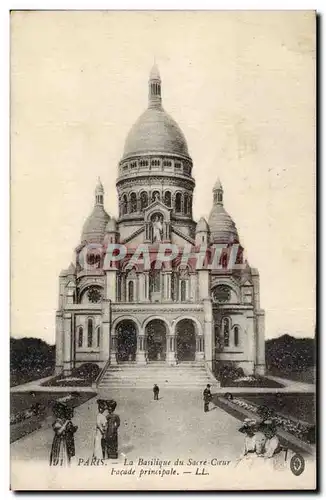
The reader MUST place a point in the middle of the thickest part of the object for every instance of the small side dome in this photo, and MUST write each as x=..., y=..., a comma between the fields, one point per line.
x=94, y=226
x=202, y=226
x=111, y=226
x=222, y=227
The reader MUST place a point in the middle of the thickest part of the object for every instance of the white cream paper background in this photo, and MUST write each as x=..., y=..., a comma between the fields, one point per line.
x=38, y=475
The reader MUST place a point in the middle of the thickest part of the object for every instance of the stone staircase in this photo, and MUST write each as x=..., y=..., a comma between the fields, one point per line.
x=130, y=375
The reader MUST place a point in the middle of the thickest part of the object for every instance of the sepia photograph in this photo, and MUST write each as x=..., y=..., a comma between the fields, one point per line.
x=163, y=250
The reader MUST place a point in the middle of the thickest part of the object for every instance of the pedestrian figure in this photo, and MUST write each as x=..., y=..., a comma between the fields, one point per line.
x=113, y=424
x=100, y=433
x=70, y=433
x=207, y=397
x=272, y=445
x=254, y=443
x=63, y=444
x=156, y=391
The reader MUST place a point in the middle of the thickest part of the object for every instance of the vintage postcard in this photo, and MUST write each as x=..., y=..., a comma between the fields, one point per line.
x=163, y=200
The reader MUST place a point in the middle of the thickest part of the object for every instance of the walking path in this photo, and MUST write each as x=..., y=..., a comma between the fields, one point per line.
x=175, y=426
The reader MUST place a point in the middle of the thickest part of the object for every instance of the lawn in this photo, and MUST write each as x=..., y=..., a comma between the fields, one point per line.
x=288, y=407
x=299, y=405
x=19, y=377
x=22, y=401
x=256, y=381
x=60, y=381
x=308, y=376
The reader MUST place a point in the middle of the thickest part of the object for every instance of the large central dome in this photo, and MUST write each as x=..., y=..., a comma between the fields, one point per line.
x=155, y=131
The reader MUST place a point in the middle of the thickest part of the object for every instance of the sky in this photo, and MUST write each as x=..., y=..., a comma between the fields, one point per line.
x=241, y=85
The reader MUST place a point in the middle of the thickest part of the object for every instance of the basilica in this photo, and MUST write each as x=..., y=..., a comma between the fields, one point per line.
x=129, y=314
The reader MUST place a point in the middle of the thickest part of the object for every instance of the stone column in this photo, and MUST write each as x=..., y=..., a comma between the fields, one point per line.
x=67, y=353
x=113, y=349
x=111, y=285
x=140, y=353
x=251, y=342
x=193, y=287
x=208, y=332
x=141, y=287
x=170, y=348
x=199, y=356
x=146, y=287
x=167, y=286
x=260, y=343
x=59, y=343
x=105, y=332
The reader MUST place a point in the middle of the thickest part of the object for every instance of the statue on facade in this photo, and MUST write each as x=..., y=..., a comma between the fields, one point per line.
x=157, y=229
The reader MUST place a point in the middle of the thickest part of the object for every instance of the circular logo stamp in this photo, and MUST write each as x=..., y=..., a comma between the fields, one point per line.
x=297, y=464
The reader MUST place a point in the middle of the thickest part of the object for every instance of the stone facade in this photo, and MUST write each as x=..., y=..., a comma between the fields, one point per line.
x=182, y=312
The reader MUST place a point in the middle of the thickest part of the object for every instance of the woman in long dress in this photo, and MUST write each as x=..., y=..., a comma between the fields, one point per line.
x=254, y=444
x=113, y=424
x=100, y=433
x=63, y=445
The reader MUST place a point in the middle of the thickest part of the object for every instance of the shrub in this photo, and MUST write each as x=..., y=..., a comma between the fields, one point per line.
x=89, y=371
x=230, y=371
x=264, y=412
x=240, y=372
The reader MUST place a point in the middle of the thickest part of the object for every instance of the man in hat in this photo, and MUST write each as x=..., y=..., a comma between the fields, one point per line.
x=207, y=396
x=156, y=391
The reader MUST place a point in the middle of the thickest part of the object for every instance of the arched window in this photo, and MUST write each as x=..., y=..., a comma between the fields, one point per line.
x=217, y=335
x=226, y=331
x=178, y=202
x=167, y=198
x=183, y=291
x=236, y=335
x=98, y=336
x=124, y=204
x=220, y=196
x=130, y=291
x=133, y=202
x=155, y=196
x=80, y=336
x=155, y=280
x=186, y=204
x=89, y=332
x=143, y=200
x=224, y=259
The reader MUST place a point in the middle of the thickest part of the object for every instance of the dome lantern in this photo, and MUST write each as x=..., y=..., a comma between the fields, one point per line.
x=154, y=88
x=218, y=193
x=99, y=193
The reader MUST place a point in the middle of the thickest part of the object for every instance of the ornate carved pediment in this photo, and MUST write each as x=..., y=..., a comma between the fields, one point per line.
x=159, y=207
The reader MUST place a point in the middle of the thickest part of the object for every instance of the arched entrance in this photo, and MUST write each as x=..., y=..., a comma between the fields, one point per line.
x=186, y=340
x=156, y=340
x=126, y=341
